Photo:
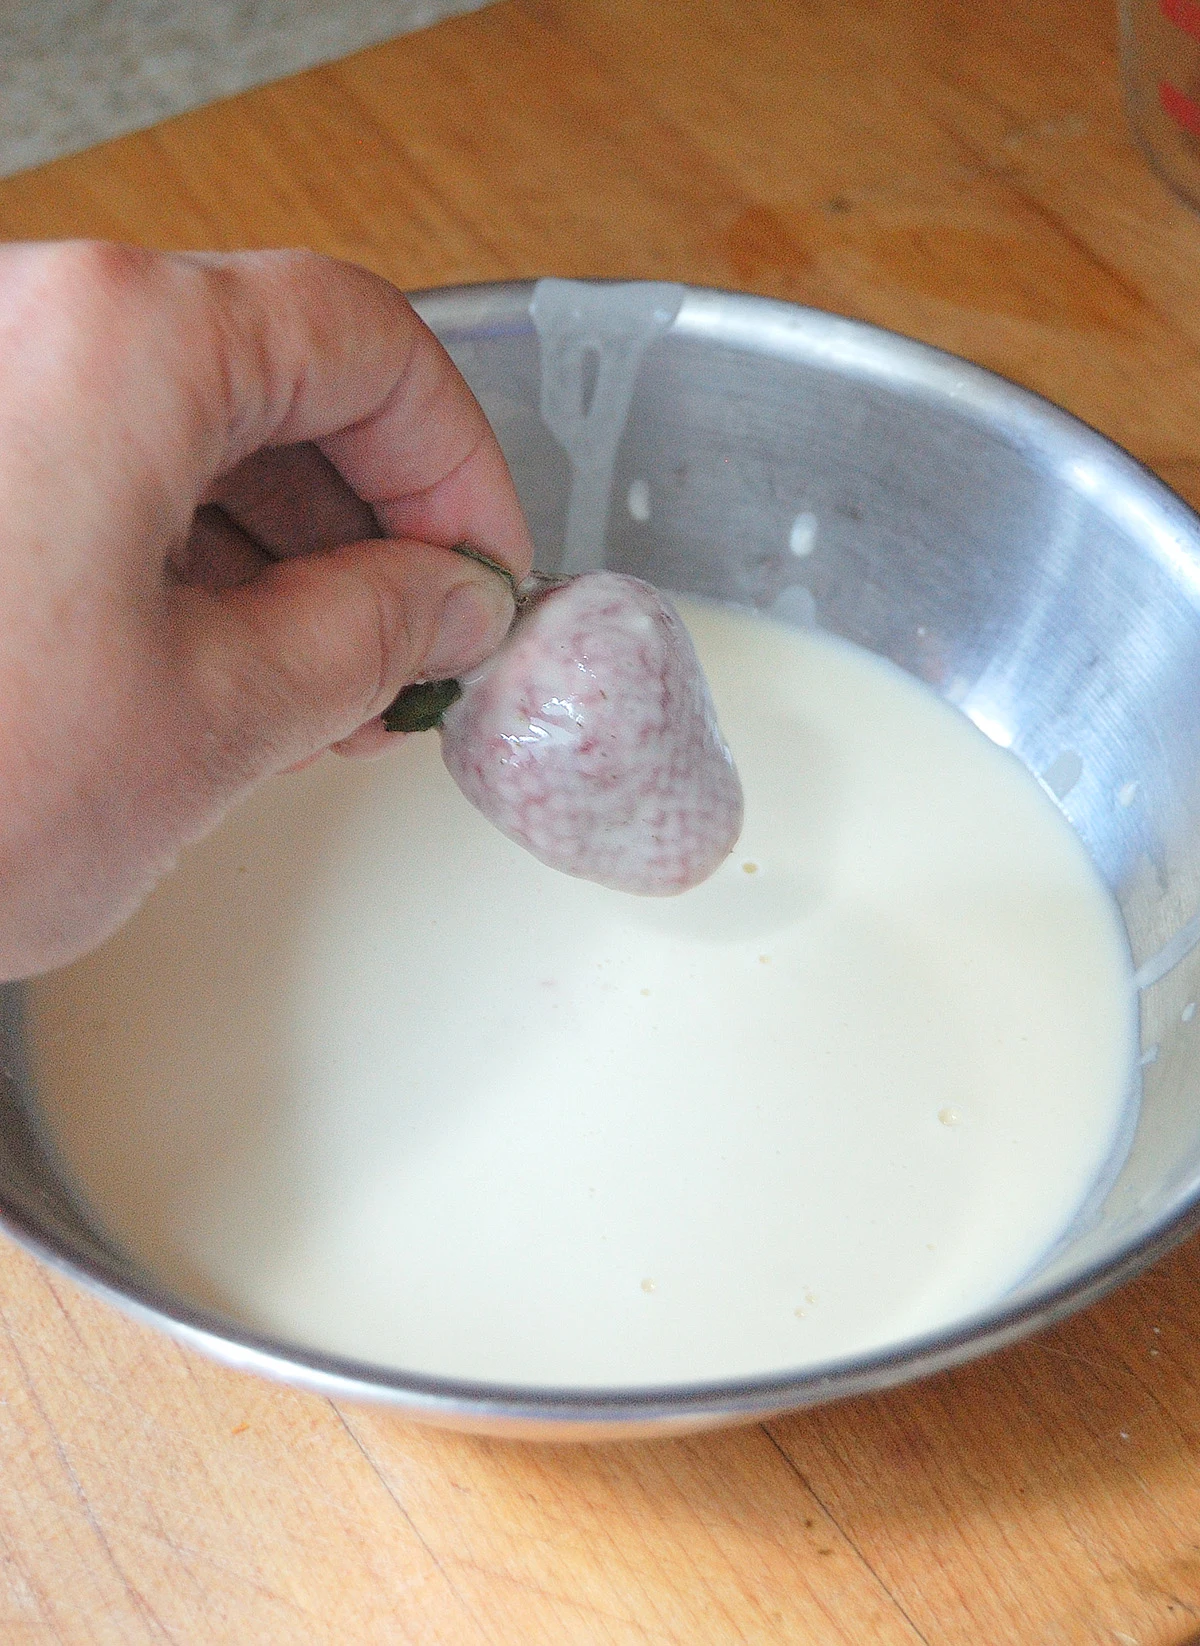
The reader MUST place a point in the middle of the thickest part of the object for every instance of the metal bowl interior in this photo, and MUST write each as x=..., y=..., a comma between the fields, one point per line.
x=1025, y=568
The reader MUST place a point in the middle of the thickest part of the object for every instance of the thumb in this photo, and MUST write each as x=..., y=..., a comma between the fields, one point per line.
x=314, y=647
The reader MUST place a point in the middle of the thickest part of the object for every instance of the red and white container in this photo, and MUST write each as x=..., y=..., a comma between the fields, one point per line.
x=1160, y=51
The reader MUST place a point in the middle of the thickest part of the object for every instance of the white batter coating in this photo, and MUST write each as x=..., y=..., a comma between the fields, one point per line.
x=590, y=738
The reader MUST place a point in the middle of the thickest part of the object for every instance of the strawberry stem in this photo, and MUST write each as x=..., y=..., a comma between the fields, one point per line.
x=420, y=707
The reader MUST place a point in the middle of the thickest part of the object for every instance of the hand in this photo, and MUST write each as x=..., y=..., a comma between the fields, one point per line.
x=228, y=490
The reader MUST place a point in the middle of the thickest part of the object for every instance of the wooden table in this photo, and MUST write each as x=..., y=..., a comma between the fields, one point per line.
x=955, y=171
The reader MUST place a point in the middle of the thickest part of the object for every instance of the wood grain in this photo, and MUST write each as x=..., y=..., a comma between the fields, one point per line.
x=959, y=173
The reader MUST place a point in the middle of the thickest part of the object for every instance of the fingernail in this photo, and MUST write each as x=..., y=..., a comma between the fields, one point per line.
x=474, y=621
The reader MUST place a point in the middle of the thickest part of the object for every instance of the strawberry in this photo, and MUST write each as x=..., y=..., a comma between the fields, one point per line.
x=590, y=737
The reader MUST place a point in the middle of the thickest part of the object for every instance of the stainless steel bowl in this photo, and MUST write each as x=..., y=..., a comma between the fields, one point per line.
x=993, y=546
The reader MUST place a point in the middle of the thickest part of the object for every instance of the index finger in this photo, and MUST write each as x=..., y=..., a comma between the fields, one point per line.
x=313, y=349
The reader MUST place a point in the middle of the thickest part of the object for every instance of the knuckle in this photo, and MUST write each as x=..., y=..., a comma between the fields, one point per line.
x=247, y=310
x=85, y=274
x=78, y=304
